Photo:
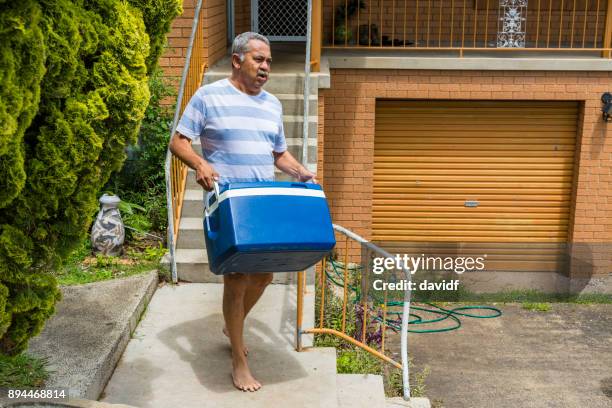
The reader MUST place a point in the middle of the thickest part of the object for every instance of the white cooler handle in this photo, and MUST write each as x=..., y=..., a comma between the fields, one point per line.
x=207, y=203
x=207, y=207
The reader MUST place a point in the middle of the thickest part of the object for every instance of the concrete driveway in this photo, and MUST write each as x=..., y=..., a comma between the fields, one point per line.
x=560, y=358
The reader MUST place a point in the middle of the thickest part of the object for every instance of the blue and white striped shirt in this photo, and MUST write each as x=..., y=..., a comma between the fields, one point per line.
x=238, y=131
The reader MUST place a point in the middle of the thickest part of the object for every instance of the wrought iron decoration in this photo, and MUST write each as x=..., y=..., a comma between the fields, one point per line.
x=512, y=23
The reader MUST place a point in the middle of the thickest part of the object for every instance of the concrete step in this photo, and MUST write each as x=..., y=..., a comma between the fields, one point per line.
x=193, y=203
x=360, y=391
x=179, y=357
x=295, y=128
x=192, y=266
x=293, y=104
x=279, y=83
x=191, y=233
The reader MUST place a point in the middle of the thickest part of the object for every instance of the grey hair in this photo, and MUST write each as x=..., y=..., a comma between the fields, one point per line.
x=240, y=45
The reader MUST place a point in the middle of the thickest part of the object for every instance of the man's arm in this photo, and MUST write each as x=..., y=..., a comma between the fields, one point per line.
x=180, y=146
x=287, y=164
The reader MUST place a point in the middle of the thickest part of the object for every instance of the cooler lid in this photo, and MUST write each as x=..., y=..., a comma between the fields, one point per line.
x=269, y=188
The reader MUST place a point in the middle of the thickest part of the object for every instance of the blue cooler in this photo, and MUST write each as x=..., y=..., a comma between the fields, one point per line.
x=267, y=227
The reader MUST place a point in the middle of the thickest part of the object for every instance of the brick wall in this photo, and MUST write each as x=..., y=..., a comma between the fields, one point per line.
x=215, y=38
x=215, y=29
x=349, y=115
x=242, y=16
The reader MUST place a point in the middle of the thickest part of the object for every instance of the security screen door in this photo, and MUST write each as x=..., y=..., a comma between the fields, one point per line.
x=280, y=20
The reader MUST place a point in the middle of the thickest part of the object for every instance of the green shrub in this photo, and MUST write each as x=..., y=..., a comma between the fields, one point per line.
x=141, y=181
x=74, y=91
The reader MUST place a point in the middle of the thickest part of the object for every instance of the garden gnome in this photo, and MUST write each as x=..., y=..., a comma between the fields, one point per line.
x=107, y=233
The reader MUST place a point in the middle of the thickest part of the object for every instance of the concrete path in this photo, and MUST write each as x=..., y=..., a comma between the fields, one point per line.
x=561, y=358
x=179, y=357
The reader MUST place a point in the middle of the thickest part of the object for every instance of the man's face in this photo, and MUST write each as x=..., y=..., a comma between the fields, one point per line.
x=255, y=68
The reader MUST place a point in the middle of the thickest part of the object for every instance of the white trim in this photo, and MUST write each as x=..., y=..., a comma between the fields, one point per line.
x=263, y=191
x=490, y=63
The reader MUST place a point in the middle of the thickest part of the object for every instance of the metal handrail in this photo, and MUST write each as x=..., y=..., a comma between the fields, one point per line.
x=175, y=170
x=341, y=334
x=307, y=86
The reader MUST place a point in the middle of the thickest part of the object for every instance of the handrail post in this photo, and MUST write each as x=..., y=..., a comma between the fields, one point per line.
x=316, y=35
x=300, y=308
x=607, y=41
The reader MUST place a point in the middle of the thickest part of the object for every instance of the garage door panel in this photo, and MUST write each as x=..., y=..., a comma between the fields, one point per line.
x=475, y=155
x=491, y=198
x=467, y=159
x=496, y=173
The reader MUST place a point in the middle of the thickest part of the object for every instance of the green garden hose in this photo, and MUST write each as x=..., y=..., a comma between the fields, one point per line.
x=453, y=314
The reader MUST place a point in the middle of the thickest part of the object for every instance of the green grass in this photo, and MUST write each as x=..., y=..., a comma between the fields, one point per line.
x=22, y=371
x=82, y=267
x=538, y=307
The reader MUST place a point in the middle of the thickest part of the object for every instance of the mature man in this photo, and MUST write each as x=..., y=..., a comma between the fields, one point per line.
x=241, y=128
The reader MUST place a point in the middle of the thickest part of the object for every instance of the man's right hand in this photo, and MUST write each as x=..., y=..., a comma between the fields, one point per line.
x=206, y=176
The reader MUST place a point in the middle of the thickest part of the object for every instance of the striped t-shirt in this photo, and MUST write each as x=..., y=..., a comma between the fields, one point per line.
x=238, y=131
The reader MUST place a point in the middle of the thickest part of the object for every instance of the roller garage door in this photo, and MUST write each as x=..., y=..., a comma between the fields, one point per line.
x=490, y=172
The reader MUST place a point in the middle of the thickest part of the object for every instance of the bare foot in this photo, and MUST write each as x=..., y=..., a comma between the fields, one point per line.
x=242, y=377
x=245, y=350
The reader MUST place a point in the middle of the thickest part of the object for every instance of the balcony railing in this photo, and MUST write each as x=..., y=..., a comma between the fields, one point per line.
x=468, y=25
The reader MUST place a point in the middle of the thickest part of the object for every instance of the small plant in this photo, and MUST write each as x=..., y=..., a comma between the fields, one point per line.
x=359, y=361
x=150, y=254
x=103, y=261
x=22, y=370
x=134, y=217
x=538, y=307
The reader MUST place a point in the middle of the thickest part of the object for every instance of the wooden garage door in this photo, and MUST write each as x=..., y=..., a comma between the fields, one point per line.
x=473, y=171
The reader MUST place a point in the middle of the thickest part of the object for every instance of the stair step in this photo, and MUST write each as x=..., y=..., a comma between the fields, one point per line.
x=295, y=129
x=191, y=233
x=193, y=203
x=360, y=391
x=192, y=266
x=293, y=104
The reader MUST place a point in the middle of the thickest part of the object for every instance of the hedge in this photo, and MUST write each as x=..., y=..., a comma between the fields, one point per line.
x=73, y=92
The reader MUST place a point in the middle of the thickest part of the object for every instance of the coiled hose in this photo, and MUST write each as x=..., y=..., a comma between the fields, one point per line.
x=454, y=314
